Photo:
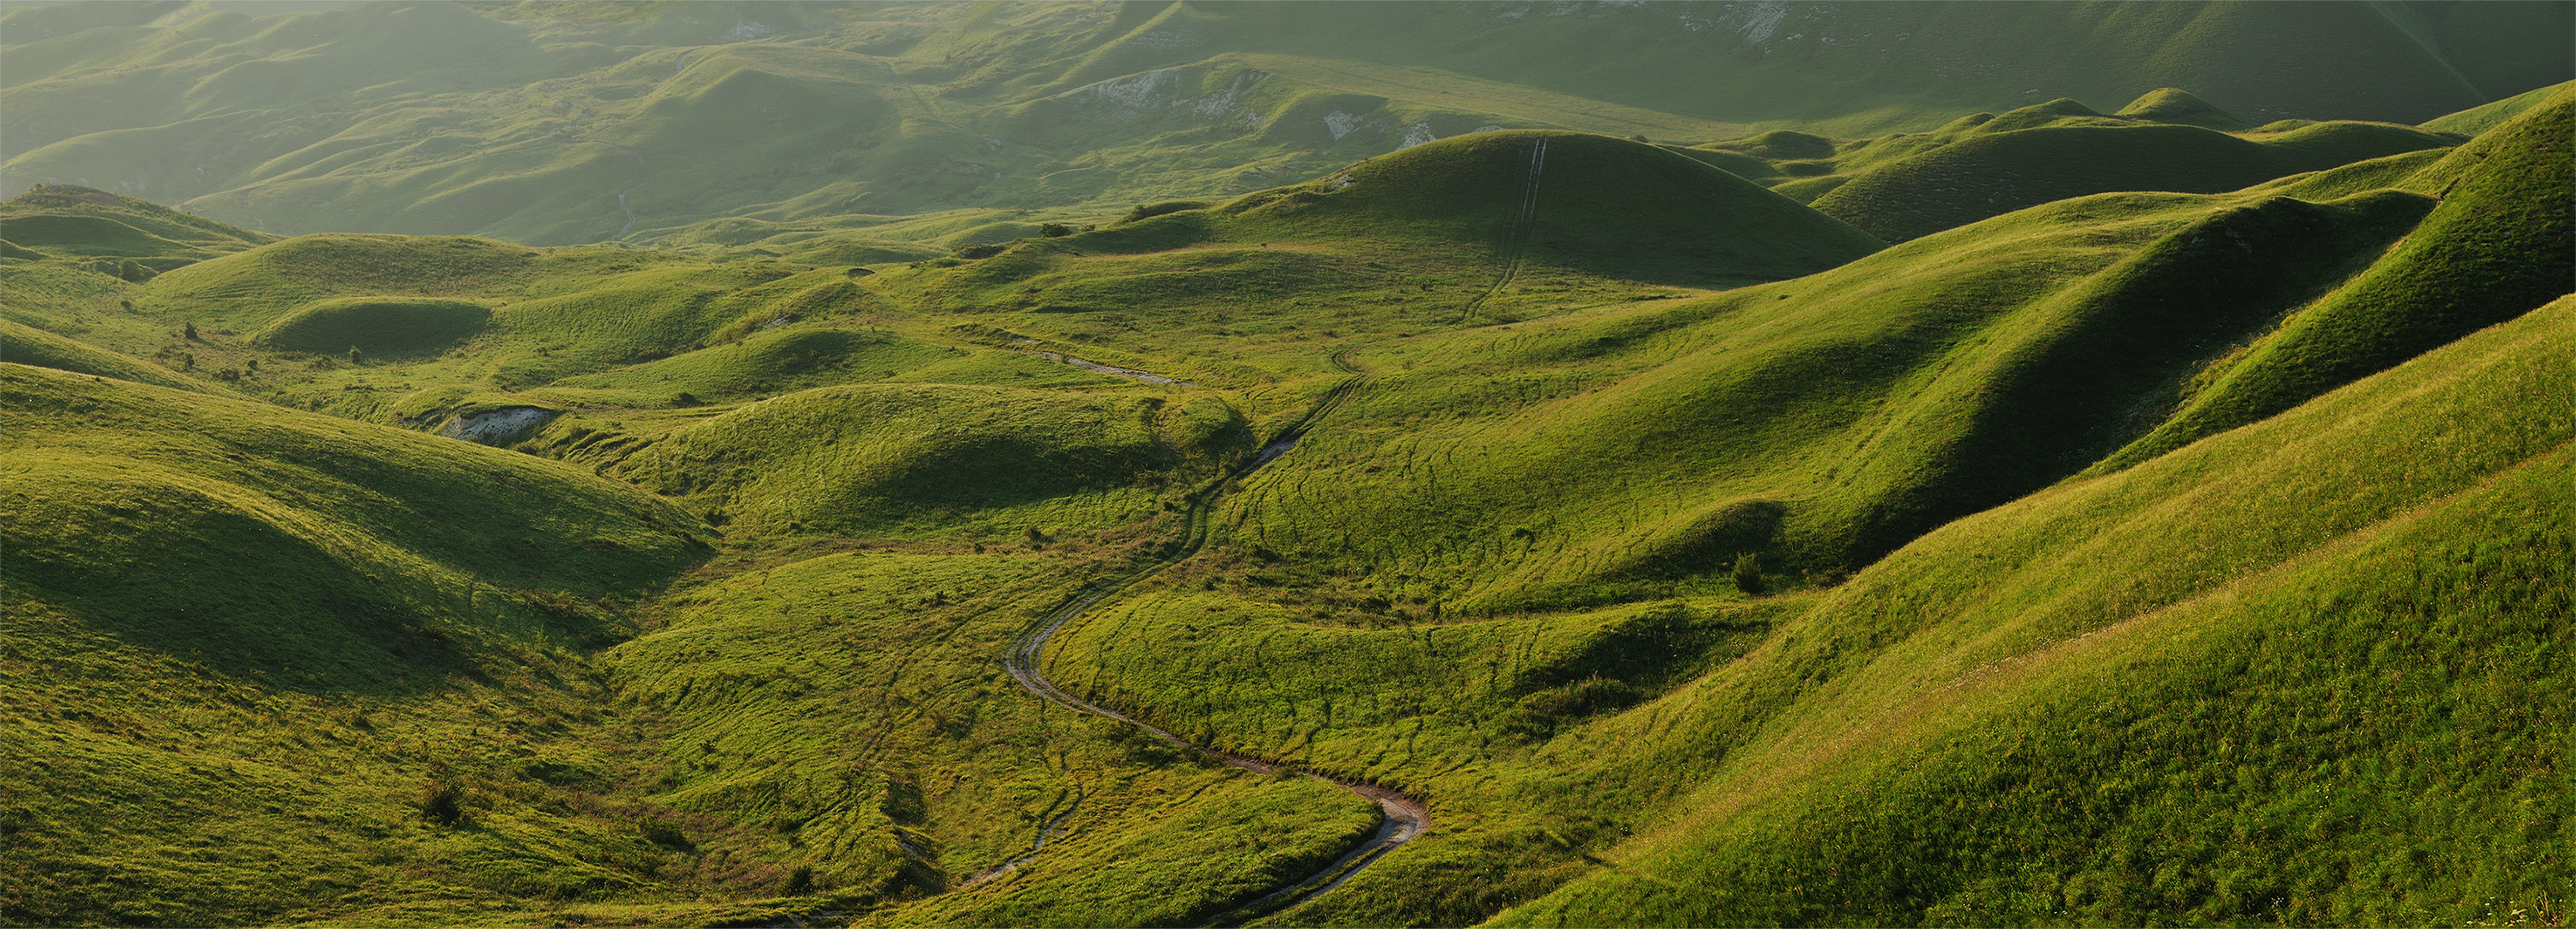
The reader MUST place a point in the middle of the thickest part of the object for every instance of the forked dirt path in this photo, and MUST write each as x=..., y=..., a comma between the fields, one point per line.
x=1403, y=817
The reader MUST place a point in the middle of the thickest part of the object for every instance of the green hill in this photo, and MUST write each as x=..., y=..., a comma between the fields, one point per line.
x=1903, y=187
x=26, y=345
x=2489, y=252
x=66, y=221
x=1989, y=362
x=2069, y=713
x=1498, y=502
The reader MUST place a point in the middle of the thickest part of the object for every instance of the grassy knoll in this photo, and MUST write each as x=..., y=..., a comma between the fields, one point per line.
x=883, y=459
x=27, y=345
x=64, y=221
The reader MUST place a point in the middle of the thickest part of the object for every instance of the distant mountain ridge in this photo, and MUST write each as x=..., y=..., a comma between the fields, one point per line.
x=555, y=124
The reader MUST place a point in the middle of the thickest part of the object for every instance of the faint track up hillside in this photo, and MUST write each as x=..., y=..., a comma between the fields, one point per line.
x=1517, y=232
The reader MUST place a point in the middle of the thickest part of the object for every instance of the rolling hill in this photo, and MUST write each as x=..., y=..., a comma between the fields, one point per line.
x=1248, y=464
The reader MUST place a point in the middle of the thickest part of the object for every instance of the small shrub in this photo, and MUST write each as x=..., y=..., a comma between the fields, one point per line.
x=1055, y=230
x=188, y=331
x=1747, y=574
x=799, y=881
x=664, y=833
x=1151, y=210
x=442, y=803
x=355, y=355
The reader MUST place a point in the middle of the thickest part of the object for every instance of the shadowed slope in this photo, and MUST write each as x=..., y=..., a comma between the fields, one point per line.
x=2222, y=685
x=1821, y=422
x=2502, y=241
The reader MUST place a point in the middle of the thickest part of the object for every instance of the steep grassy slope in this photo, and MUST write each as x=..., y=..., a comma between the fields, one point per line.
x=2478, y=119
x=2502, y=241
x=2298, y=672
x=546, y=124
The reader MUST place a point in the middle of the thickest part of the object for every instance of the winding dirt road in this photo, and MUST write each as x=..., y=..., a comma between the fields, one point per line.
x=1403, y=817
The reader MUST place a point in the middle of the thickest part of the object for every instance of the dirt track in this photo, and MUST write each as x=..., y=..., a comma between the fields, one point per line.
x=1404, y=817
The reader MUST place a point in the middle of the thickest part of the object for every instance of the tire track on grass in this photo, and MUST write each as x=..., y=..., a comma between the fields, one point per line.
x=1516, y=232
x=1402, y=817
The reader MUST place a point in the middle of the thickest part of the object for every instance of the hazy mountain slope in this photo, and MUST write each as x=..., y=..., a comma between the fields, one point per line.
x=552, y=125
x=2228, y=684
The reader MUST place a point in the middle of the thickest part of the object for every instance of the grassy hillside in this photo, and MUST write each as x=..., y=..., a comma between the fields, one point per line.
x=243, y=645
x=847, y=702
x=868, y=460
x=2096, y=666
x=1818, y=422
x=63, y=221
x=2165, y=528
x=2478, y=119
x=2284, y=682
x=542, y=124
x=2492, y=250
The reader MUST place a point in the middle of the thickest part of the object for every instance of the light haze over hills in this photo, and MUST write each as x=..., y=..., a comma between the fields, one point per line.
x=1287, y=464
